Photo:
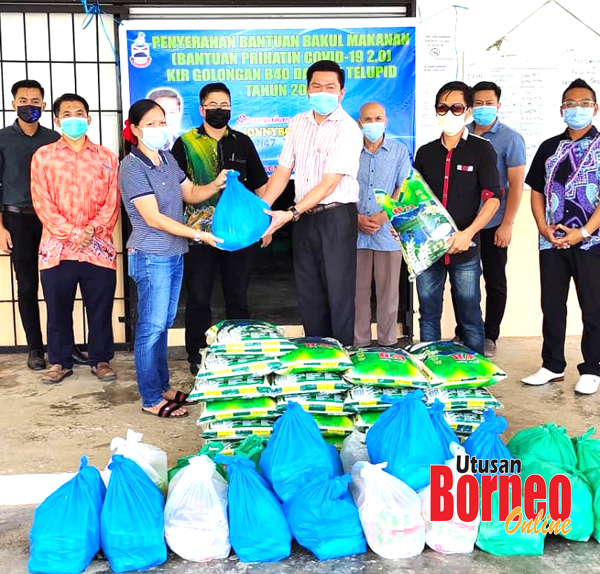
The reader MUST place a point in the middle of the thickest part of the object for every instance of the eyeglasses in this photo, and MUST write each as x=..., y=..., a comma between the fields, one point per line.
x=215, y=106
x=581, y=104
x=456, y=109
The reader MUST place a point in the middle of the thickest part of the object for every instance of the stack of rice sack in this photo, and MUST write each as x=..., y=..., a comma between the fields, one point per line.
x=311, y=376
x=233, y=383
x=379, y=372
x=458, y=377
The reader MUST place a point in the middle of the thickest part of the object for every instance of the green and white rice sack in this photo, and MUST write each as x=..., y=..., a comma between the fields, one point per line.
x=464, y=399
x=238, y=409
x=360, y=399
x=245, y=386
x=384, y=367
x=248, y=337
x=334, y=425
x=455, y=366
x=238, y=429
x=315, y=403
x=364, y=421
x=224, y=366
x=463, y=422
x=337, y=441
x=314, y=354
x=301, y=383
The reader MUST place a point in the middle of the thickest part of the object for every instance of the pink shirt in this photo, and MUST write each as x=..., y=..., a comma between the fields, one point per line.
x=313, y=150
x=71, y=190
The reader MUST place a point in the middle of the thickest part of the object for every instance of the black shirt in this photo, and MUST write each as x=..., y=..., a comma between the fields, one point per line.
x=461, y=178
x=16, y=151
x=235, y=150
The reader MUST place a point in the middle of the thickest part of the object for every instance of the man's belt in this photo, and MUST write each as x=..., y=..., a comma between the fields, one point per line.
x=23, y=210
x=323, y=207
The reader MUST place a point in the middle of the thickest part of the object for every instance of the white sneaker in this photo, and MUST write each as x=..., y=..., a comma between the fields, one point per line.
x=542, y=377
x=587, y=384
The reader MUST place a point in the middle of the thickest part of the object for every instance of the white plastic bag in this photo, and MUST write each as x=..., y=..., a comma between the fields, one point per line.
x=389, y=510
x=196, y=526
x=151, y=459
x=454, y=536
x=354, y=448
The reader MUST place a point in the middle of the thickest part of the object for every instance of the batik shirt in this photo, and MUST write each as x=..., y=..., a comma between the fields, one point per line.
x=567, y=172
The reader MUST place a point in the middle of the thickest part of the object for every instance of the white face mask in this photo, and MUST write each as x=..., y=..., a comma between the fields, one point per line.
x=450, y=123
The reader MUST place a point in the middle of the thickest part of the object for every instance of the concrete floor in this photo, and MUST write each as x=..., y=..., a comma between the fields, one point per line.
x=46, y=429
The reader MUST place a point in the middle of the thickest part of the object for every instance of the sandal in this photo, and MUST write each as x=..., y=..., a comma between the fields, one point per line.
x=181, y=398
x=166, y=411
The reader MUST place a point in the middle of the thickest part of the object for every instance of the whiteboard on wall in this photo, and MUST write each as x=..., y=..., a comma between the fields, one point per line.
x=532, y=86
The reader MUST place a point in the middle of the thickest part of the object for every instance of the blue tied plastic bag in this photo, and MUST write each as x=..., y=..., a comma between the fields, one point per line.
x=65, y=535
x=485, y=443
x=325, y=520
x=258, y=530
x=296, y=453
x=443, y=429
x=406, y=439
x=132, y=520
x=239, y=218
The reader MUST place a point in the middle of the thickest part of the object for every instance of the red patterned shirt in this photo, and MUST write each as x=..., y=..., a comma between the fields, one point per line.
x=71, y=190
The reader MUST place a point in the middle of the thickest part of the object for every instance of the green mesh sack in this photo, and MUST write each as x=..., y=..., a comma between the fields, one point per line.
x=593, y=477
x=300, y=383
x=587, y=450
x=548, y=442
x=455, y=366
x=314, y=354
x=384, y=367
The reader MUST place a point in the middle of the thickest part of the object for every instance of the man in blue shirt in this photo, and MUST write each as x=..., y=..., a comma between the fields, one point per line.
x=384, y=165
x=497, y=234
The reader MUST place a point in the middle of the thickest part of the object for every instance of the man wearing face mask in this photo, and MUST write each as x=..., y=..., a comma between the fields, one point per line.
x=565, y=200
x=323, y=147
x=384, y=165
x=74, y=188
x=202, y=153
x=496, y=235
x=20, y=229
x=461, y=169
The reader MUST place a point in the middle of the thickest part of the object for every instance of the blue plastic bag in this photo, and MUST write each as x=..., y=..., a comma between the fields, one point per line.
x=336, y=461
x=443, y=429
x=406, y=439
x=325, y=520
x=258, y=530
x=65, y=535
x=239, y=218
x=296, y=453
x=132, y=520
x=485, y=442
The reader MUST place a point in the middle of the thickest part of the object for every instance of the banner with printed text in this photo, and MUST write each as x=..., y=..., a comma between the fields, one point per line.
x=265, y=70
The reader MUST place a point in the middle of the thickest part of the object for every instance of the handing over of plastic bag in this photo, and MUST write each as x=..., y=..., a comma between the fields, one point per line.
x=239, y=219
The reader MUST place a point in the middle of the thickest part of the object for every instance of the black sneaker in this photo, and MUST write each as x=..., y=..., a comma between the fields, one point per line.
x=35, y=360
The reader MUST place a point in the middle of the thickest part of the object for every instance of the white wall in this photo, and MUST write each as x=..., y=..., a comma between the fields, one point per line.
x=550, y=30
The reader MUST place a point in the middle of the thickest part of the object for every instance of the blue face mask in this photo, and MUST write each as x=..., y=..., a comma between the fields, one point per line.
x=577, y=118
x=74, y=128
x=485, y=115
x=155, y=138
x=373, y=131
x=323, y=102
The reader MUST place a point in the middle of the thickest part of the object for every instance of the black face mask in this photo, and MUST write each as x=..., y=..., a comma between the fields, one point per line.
x=217, y=118
x=29, y=114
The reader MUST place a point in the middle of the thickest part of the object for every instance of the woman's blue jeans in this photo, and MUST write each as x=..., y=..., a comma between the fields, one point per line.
x=158, y=279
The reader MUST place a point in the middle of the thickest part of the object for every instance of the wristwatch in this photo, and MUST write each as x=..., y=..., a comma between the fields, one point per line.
x=295, y=214
x=585, y=233
x=197, y=237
